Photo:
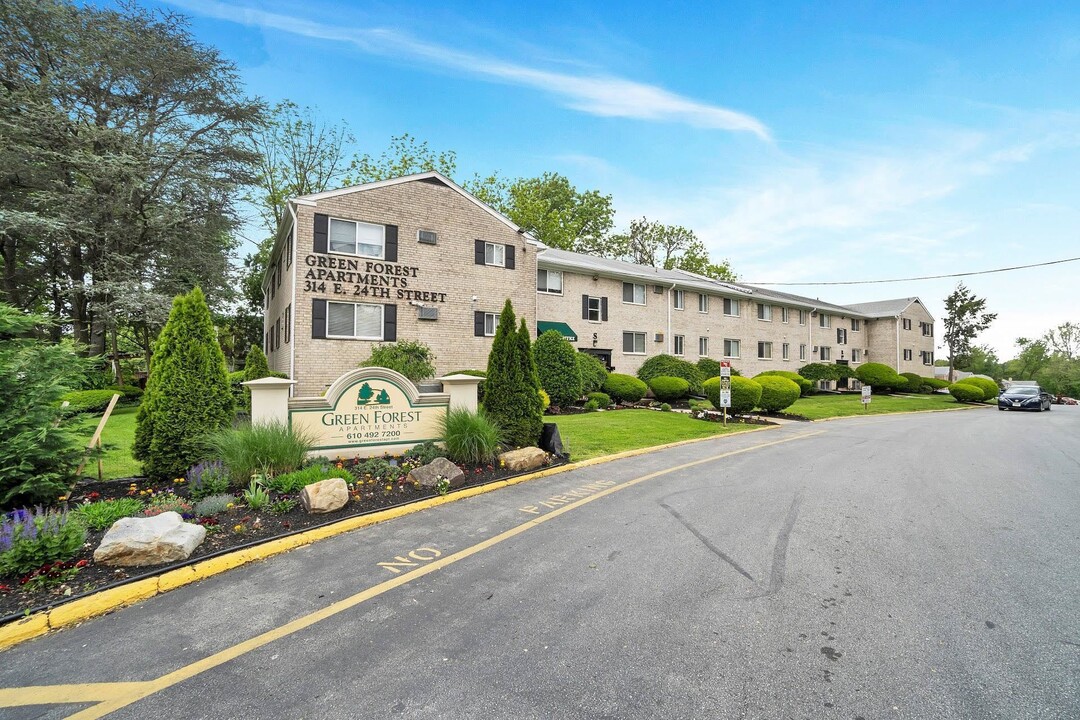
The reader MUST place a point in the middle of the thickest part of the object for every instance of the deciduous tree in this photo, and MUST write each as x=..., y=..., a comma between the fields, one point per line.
x=964, y=320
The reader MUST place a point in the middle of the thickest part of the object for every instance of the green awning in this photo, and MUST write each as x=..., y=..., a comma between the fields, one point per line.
x=564, y=329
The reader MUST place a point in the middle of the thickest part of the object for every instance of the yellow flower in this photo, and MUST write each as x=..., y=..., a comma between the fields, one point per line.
x=389, y=488
x=179, y=480
x=230, y=506
x=62, y=498
x=238, y=528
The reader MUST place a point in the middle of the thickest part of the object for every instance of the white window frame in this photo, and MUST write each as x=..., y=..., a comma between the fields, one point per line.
x=382, y=321
x=678, y=347
x=547, y=280
x=824, y=320
x=906, y=323
x=802, y=351
x=598, y=309
x=841, y=333
x=493, y=320
x=702, y=303
x=908, y=355
x=784, y=315
x=634, y=293
x=856, y=325
x=356, y=244
x=802, y=317
x=764, y=312
x=494, y=254
x=927, y=357
x=764, y=350
x=856, y=353
x=785, y=352
x=825, y=353
x=420, y=236
x=636, y=335
x=731, y=307
x=679, y=300
x=703, y=346
x=727, y=347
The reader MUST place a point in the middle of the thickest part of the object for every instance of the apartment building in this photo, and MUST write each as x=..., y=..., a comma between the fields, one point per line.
x=420, y=258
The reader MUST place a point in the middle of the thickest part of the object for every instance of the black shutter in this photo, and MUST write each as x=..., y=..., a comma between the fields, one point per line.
x=389, y=323
x=603, y=309
x=390, y=249
x=584, y=307
x=322, y=233
x=509, y=257
x=318, y=318
x=478, y=324
x=480, y=252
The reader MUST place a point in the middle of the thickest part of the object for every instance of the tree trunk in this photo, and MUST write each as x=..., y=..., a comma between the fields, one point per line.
x=9, y=251
x=114, y=347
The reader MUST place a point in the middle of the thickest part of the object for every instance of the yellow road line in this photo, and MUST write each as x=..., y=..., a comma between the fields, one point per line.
x=127, y=693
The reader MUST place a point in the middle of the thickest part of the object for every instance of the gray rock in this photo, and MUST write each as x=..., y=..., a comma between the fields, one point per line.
x=325, y=496
x=428, y=475
x=528, y=458
x=138, y=541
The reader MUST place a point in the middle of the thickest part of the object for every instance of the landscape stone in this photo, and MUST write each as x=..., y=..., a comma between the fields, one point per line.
x=325, y=496
x=139, y=541
x=527, y=458
x=428, y=475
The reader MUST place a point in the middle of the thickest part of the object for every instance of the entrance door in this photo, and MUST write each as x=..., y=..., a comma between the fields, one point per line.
x=603, y=355
x=842, y=384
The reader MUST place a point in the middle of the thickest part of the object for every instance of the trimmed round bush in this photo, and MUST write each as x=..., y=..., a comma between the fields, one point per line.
x=556, y=364
x=625, y=388
x=86, y=401
x=914, y=382
x=130, y=392
x=880, y=376
x=592, y=406
x=671, y=366
x=411, y=358
x=989, y=388
x=745, y=393
x=777, y=392
x=966, y=392
x=664, y=407
x=669, y=389
x=593, y=372
x=805, y=386
x=935, y=383
x=602, y=399
x=709, y=368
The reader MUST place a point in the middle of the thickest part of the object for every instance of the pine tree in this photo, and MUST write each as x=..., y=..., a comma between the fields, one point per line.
x=531, y=422
x=187, y=394
x=365, y=394
x=255, y=367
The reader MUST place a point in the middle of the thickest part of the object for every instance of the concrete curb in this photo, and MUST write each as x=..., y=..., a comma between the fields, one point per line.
x=101, y=603
x=905, y=412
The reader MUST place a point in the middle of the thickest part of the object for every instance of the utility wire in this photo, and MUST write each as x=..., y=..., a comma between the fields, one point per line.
x=924, y=277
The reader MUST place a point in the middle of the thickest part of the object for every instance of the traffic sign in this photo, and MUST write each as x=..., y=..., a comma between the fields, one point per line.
x=725, y=398
x=866, y=394
x=725, y=369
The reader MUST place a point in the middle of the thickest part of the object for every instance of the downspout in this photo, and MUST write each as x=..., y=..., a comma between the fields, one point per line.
x=898, y=343
x=292, y=302
x=670, y=339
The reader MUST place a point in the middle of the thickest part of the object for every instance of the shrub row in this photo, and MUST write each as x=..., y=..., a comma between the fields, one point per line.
x=670, y=366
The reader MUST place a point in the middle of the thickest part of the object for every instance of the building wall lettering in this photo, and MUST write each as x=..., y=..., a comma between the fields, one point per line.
x=364, y=278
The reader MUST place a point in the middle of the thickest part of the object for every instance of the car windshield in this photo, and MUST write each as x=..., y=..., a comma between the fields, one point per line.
x=1028, y=390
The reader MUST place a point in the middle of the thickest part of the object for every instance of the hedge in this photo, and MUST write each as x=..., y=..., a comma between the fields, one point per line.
x=745, y=393
x=624, y=388
x=990, y=389
x=557, y=367
x=935, y=383
x=85, y=401
x=671, y=366
x=966, y=392
x=805, y=386
x=602, y=399
x=669, y=389
x=709, y=368
x=777, y=392
x=825, y=371
x=593, y=372
x=880, y=376
x=915, y=382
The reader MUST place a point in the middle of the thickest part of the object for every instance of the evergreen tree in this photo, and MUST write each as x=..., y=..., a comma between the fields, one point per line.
x=187, y=394
x=531, y=423
x=556, y=363
x=511, y=395
x=255, y=367
x=365, y=394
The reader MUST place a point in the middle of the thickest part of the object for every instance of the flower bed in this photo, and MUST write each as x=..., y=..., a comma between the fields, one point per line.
x=235, y=525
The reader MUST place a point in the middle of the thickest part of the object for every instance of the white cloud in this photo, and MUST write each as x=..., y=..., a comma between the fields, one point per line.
x=595, y=94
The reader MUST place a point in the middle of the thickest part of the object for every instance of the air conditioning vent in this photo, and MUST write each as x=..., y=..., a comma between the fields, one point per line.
x=657, y=290
x=815, y=348
x=659, y=337
x=428, y=237
x=428, y=313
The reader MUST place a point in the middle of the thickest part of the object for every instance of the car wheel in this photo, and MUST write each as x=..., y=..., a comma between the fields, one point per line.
x=1001, y=409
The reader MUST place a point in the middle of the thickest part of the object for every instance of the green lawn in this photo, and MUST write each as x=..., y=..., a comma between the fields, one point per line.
x=817, y=407
x=116, y=440
x=605, y=433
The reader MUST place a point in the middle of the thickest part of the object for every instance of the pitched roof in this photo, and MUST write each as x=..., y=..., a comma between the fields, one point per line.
x=885, y=308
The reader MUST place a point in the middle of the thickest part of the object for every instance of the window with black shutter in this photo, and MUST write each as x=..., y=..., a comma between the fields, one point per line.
x=389, y=323
x=390, y=244
x=318, y=319
x=322, y=233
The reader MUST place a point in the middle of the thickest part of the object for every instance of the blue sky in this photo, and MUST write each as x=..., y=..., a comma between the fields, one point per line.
x=805, y=142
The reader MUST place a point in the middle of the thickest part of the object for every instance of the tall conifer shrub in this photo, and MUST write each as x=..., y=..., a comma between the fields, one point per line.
x=255, y=367
x=556, y=363
x=187, y=394
x=512, y=388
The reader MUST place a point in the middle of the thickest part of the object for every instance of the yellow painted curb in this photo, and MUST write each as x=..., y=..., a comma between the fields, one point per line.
x=106, y=601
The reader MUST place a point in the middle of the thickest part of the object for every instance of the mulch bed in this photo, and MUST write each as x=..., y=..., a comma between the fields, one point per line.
x=232, y=529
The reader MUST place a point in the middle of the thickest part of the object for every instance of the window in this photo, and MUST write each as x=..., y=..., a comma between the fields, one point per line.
x=495, y=254
x=841, y=336
x=856, y=325
x=784, y=312
x=679, y=300
x=288, y=252
x=703, y=303
x=856, y=355
x=825, y=353
x=288, y=324
x=907, y=323
x=633, y=343
x=549, y=281
x=703, y=346
x=731, y=307
x=802, y=349
x=824, y=320
x=279, y=273
x=273, y=285
x=491, y=324
x=764, y=312
x=731, y=348
x=277, y=334
x=802, y=317
x=594, y=309
x=678, y=344
x=354, y=320
x=764, y=351
x=785, y=351
x=927, y=329
x=633, y=294
x=427, y=237
x=357, y=238
x=907, y=354
x=927, y=357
